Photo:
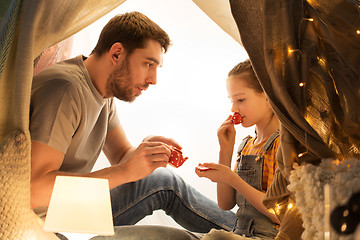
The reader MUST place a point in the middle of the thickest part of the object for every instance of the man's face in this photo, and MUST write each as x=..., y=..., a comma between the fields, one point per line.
x=135, y=72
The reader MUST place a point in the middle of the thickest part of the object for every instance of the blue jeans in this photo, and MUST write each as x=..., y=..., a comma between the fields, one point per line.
x=165, y=190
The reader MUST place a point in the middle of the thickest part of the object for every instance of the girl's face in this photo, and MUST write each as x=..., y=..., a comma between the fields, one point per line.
x=252, y=106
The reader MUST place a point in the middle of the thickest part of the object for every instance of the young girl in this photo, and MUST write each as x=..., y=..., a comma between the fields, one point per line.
x=256, y=162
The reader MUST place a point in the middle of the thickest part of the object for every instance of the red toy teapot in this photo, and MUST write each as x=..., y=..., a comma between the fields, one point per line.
x=176, y=158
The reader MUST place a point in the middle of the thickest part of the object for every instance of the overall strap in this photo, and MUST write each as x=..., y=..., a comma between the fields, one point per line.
x=243, y=143
x=267, y=146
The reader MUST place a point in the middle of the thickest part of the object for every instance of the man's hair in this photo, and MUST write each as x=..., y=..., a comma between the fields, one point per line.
x=132, y=30
x=246, y=67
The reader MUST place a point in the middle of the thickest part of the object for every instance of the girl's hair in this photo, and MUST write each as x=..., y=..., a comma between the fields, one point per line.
x=246, y=67
x=132, y=30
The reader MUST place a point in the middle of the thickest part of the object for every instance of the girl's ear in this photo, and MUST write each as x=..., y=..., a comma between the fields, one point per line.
x=267, y=100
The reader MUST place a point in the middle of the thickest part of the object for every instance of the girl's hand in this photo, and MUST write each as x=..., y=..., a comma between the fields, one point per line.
x=226, y=134
x=215, y=172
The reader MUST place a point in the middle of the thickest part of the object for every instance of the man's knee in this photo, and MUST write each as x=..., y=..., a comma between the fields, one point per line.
x=167, y=178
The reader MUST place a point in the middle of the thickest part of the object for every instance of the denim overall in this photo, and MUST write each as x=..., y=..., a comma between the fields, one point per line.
x=250, y=222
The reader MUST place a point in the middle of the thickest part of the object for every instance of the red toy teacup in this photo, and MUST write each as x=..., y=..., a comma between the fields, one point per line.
x=236, y=118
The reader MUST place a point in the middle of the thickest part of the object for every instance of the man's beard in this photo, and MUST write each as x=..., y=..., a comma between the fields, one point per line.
x=119, y=82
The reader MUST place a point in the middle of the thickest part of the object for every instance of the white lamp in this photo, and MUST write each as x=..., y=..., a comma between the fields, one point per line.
x=80, y=205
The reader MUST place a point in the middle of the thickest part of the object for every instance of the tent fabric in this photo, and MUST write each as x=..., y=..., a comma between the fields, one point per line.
x=18, y=221
x=306, y=55
x=8, y=27
x=220, y=12
x=39, y=25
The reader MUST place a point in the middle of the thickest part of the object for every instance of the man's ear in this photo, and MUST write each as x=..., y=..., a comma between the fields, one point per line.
x=115, y=51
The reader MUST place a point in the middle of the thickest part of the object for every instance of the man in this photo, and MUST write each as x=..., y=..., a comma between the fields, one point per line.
x=73, y=118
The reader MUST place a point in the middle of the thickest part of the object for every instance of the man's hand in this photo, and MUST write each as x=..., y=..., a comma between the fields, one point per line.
x=145, y=159
x=168, y=141
x=128, y=163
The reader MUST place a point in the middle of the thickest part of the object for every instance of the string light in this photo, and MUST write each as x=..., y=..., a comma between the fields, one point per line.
x=290, y=206
x=306, y=20
x=358, y=30
x=277, y=210
x=301, y=154
x=343, y=227
x=293, y=50
x=306, y=145
x=321, y=61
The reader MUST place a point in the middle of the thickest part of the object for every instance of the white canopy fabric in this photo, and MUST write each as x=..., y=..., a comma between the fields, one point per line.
x=220, y=12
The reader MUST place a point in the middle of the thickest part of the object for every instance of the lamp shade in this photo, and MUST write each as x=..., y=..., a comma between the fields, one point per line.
x=80, y=205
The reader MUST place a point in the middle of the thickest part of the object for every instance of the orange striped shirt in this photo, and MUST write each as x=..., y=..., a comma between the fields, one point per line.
x=269, y=164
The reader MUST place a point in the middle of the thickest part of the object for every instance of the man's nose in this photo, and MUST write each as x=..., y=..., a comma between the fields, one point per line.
x=152, y=78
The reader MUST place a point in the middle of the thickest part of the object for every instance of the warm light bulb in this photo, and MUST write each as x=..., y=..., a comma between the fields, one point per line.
x=290, y=206
x=358, y=31
x=277, y=210
x=343, y=227
x=336, y=162
x=321, y=61
x=301, y=84
x=290, y=50
x=301, y=154
x=271, y=210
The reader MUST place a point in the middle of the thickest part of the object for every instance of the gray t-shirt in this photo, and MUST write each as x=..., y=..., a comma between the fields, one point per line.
x=68, y=113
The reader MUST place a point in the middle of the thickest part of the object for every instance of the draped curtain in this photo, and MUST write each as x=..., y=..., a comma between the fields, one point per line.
x=41, y=24
x=306, y=55
x=27, y=28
